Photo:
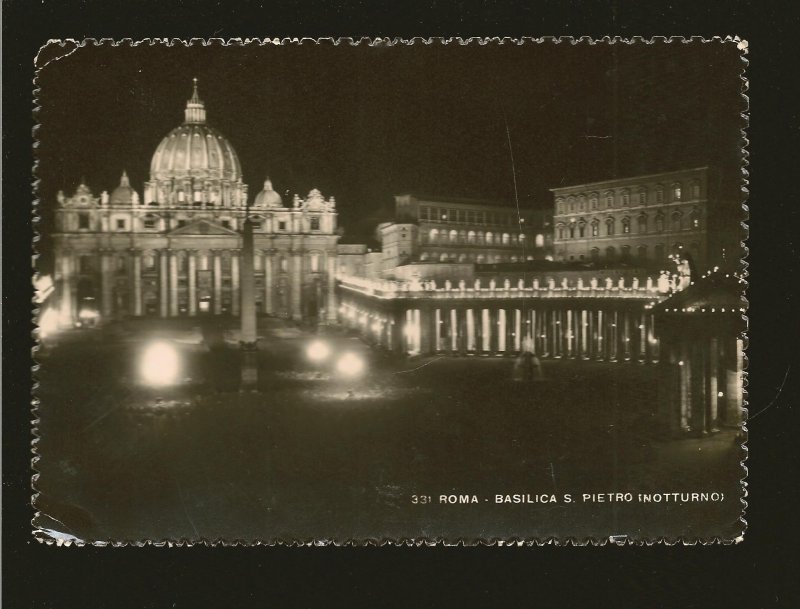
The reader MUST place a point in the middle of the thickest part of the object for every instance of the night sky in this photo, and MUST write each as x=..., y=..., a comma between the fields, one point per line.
x=363, y=123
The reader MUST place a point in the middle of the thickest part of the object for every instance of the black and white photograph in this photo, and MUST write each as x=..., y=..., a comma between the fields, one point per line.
x=405, y=291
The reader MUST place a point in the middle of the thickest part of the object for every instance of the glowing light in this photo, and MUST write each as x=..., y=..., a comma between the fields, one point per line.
x=48, y=323
x=720, y=394
x=680, y=363
x=318, y=351
x=88, y=315
x=160, y=364
x=350, y=365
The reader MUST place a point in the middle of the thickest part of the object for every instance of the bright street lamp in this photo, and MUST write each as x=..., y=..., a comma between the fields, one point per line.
x=350, y=365
x=160, y=364
x=318, y=351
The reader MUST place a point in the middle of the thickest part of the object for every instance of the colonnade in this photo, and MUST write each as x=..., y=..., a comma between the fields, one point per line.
x=607, y=333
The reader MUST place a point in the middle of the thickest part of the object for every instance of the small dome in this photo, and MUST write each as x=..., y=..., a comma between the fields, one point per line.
x=268, y=197
x=123, y=194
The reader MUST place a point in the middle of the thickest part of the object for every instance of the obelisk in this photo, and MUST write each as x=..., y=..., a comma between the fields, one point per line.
x=249, y=338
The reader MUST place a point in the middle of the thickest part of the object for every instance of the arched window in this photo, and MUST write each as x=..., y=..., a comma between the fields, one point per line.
x=453, y=236
x=641, y=253
x=610, y=226
x=595, y=253
x=626, y=226
x=582, y=203
x=695, y=189
x=593, y=201
x=571, y=201
x=434, y=235
x=489, y=238
x=443, y=257
x=582, y=229
x=480, y=259
x=479, y=237
x=423, y=257
x=642, y=224
x=462, y=257
x=676, y=191
x=462, y=236
x=659, y=195
x=626, y=253
x=560, y=206
x=626, y=198
x=471, y=237
x=596, y=228
x=539, y=240
x=506, y=239
x=609, y=199
x=150, y=221
x=521, y=239
x=611, y=253
x=514, y=259
x=571, y=230
x=675, y=221
x=284, y=264
x=695, y=219
x=561, y=231
x=314, y=262
x=642, y=196
x=660, y=223
x=149, y=262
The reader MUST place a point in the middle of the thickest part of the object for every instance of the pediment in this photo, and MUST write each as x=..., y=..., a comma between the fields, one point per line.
x=203, y=227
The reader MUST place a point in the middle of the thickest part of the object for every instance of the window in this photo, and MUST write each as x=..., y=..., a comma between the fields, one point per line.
x=480, y=259
x=471, y=237
x=443, y=258
x=641, y=253
x=571, y=204
x=183, y=223
x=642, y=197
x=121, y=264
x=676, y=191
x=659, y=195
x=150, y=221
x=149, y=262
x=596, y=228
x=582, y=229
x=675, y=221
x=659, y=253
x=521, y=239
x=559, y=206
x=83, y=221
x=424, y=212
x=582, y=203
x=539, y=240
x=593, y=201
x=695, y=190
x=453, y=236
x=489, y=238
x=434, y=235
x=225, y=223
x=609, y=199
x=626, y=253
x=626, y=226
x=611, y=253
x=284, y=265
x=314, y=262
x=506, y=239
x=595, y=254
x=610, y=226
x=660, y=223
x=282, y=225
x=572, y=230
x=642, y=224
x=120, y=224
x=626, y=198
x=315, y=223
x=561, y=231
x=695, y=219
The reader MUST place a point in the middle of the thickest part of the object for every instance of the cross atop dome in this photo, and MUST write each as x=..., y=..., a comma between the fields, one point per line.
x=195, y=112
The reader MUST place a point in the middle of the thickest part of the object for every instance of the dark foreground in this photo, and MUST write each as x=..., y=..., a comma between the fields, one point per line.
x=316, y=457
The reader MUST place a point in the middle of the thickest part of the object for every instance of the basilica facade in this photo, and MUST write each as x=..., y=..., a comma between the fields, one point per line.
x=174, y=250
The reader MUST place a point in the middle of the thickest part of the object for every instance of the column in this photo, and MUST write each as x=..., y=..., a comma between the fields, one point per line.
x=643, y=337
x=626, y=335
x=570, y=333
x=486, y=330
x=557, y=332
x=712, y=390
x=192, y=282
x=438, y=328
x=67, y=308
x=163, y=285
x=173, y=283
x=235, y=296
x=424, y=324
x=330, y=306
x=471, y=343
x=136, y=282
x=612, y=336
x=584, y=334
x=268, y=279
x=106, y=285
x=295, y=302
x=600, y=346
x=217, y=262
x=501, y=328
x=685, y=376
x=518, y=330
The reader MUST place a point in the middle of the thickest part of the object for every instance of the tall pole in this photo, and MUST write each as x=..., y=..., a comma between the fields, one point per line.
x=249, y=381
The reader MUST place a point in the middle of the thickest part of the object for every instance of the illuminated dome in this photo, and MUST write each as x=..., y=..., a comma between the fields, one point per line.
x=195, y=150
x=268, y=197
x=123, y=194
